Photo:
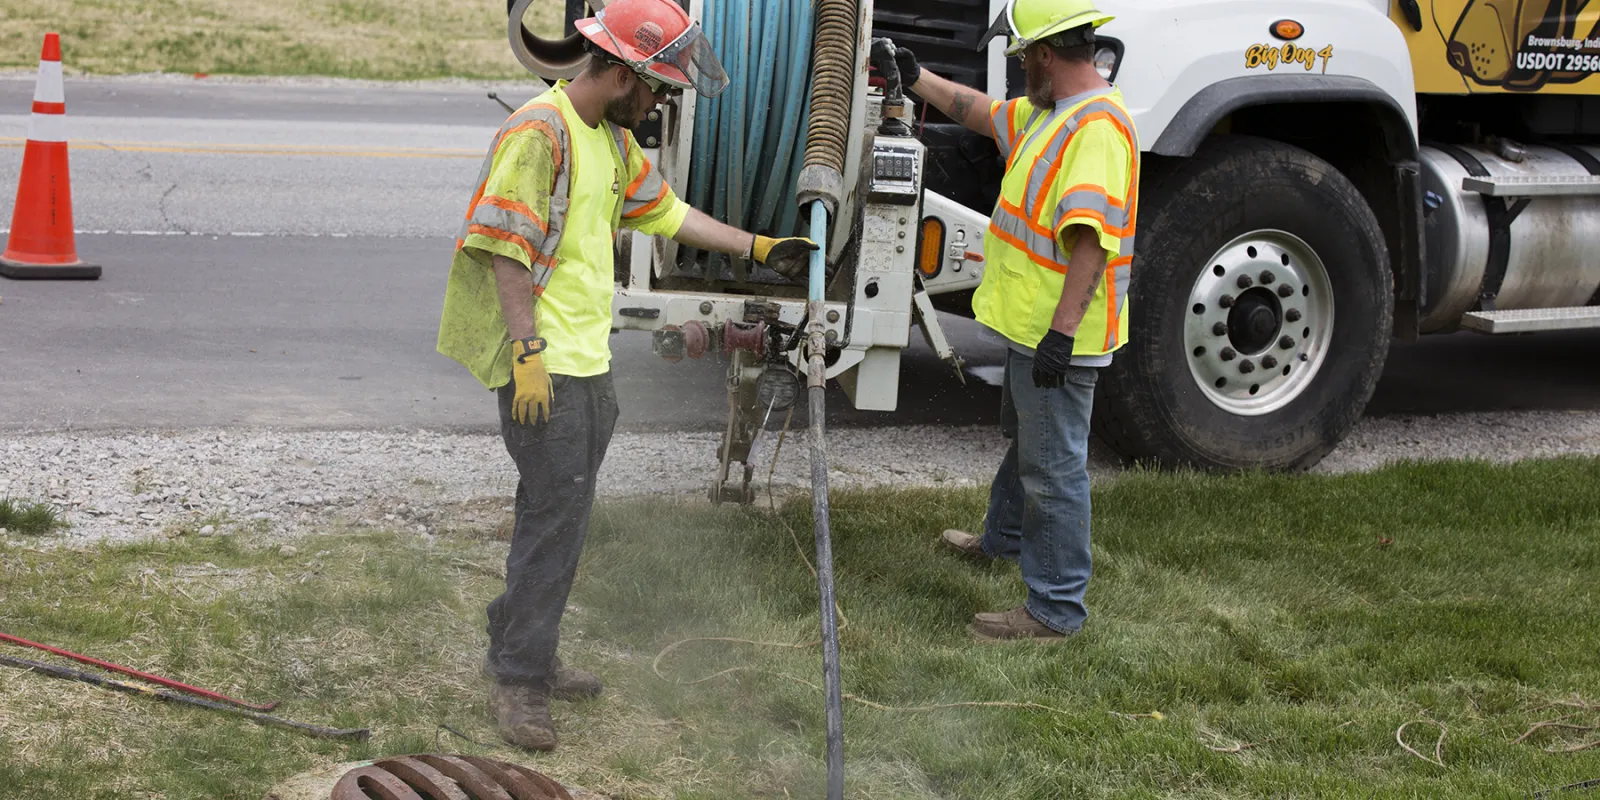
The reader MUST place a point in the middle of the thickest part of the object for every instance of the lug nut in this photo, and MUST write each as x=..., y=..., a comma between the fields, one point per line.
x=1267, y=277
x=1285, y=290
x=1293, y=315
x=1219, y=329
x=1269, y=363
x=1227, y=354
x=1247, y=366
x=1226, y=301
x=1245, y=282
x=1286, y=343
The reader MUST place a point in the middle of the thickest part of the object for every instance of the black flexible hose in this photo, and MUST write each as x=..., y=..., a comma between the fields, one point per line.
x=830, y=620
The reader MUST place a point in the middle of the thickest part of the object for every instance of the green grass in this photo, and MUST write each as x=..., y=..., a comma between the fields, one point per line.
x=28, y=518
x=1283, y=627
x=417, y=39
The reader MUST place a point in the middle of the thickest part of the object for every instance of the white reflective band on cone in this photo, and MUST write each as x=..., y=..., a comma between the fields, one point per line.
x=47, y=128
x=49, y=88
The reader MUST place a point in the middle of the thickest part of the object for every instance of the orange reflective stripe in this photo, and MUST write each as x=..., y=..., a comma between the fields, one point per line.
x=543, y=127
x=1043, y=261
x=1099, y=190
x=1115, y=122
x=645, y=209
x=639, y=181
x=515, y=208
x=476, y=196
x=1089, y=213
x=495, y=233
x=1111, y=303
x=1006, y=206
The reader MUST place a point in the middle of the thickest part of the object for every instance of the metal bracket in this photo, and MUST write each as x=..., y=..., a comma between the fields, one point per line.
x=928, y=319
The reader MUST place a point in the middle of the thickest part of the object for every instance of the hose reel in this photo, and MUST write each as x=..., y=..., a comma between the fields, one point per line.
x=550, y=59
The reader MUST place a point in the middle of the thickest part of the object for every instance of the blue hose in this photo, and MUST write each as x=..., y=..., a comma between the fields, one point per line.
x=819, y=233
x=749, y=141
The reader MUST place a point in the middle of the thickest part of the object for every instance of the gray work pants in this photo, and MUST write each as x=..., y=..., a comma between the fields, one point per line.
x=557, y=462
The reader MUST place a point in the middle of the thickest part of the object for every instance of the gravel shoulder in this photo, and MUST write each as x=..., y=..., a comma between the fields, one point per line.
x=270, y=484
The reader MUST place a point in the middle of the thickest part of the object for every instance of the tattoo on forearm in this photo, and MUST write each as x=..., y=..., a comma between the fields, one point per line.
x=961, y=105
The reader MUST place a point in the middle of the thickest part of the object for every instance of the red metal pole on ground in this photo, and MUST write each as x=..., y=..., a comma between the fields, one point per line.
x=167, y=682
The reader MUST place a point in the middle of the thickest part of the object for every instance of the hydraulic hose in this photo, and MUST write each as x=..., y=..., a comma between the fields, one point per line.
x=821, y=184
x=832, y=85
x=745, y=161
x=817, y=379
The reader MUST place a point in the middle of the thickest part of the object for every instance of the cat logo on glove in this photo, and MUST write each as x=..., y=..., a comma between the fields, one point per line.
x=1522, y=45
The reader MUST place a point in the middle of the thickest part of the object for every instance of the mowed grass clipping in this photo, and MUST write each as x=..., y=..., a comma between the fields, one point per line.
x=416, y=39
x=1255, y=636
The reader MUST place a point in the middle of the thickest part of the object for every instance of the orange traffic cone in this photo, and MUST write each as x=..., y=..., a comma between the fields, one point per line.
x=41, y=240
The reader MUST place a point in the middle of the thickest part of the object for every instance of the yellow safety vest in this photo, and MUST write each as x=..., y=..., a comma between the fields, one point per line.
x=551, y=194
x=1075, y=166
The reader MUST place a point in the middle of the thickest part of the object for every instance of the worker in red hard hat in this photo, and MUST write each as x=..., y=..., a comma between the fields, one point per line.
x=527, y=310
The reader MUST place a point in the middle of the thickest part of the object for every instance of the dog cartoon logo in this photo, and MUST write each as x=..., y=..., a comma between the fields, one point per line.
x=1491, y=43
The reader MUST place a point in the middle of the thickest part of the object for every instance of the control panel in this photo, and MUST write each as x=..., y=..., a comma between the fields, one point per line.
x=896, y=173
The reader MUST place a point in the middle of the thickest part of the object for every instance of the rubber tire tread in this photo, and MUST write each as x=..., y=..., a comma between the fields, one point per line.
x=1148, y=404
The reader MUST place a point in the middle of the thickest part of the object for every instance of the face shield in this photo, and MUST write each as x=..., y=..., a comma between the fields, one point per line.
x=1004, y=24
x=689, y=63
x=686, y=62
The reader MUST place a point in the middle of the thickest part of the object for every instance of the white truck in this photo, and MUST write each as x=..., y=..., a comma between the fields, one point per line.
x=1320, y=177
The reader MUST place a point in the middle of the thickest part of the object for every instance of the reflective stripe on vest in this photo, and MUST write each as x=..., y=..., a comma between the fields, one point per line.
x=1031, y=209
x=508, y=221
x=516, y=223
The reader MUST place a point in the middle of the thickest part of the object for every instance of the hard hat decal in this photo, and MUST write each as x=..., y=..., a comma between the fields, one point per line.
x=648, y=37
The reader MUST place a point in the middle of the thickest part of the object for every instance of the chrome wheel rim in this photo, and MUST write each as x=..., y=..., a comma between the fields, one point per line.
x=1259, y=321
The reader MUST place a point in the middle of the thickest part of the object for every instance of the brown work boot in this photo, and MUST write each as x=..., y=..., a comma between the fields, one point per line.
x=522, y=717
x=1015, y=624
x=572, y=684
x=566, y=683
x=966, y=544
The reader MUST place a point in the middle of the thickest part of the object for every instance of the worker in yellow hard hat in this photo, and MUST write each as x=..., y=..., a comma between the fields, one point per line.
x=527, y=310
x=1059, y=252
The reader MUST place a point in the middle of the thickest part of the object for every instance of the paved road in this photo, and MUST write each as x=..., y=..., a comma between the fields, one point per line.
x=281, y=258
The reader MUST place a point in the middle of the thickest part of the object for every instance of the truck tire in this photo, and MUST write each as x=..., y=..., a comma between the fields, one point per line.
x=1261, y=317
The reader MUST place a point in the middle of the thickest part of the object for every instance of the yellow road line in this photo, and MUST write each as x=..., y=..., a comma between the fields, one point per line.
x=260, y=150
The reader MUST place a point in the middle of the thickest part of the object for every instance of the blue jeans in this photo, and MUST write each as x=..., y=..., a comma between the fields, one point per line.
x=1039, y=500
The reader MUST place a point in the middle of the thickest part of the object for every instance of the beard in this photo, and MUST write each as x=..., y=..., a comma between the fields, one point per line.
x=1040, y=88
x=623, y=112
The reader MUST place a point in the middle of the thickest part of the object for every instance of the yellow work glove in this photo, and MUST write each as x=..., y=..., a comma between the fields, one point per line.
x=534, y=392
x=787, y=257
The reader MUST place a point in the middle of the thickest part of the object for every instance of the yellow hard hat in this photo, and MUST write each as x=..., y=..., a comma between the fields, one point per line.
x=1032, y=20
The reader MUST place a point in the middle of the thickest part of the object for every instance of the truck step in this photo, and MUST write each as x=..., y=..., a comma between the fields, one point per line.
x=1533, y=185
x=1529, y=320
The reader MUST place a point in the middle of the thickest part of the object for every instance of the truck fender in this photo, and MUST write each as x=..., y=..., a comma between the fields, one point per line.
x=1201, y=114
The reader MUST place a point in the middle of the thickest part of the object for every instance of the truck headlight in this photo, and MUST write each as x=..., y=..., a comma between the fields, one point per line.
x=1107, y=57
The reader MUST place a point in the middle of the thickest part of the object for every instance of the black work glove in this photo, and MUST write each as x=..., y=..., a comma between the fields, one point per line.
x=910, y=70
x=1051, y=359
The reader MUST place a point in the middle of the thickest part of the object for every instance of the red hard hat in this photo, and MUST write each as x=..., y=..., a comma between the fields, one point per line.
x=658, y=38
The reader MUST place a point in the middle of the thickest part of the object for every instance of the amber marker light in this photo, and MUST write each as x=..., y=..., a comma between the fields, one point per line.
x=930, y=251
x=1288, y=30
